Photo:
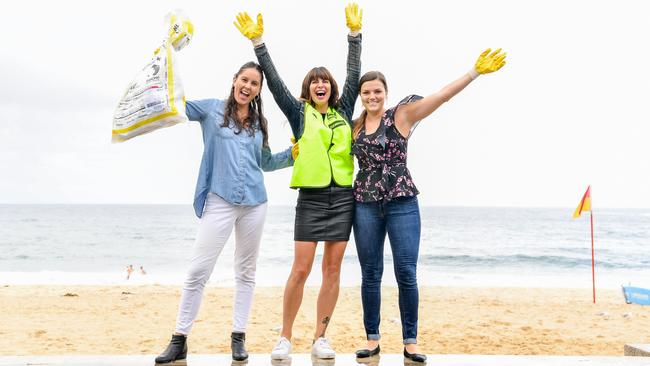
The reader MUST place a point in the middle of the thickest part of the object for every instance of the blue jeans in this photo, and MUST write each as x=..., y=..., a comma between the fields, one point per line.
x=400, y=218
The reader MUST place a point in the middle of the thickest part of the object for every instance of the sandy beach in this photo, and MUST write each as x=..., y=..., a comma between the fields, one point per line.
x=47, y=320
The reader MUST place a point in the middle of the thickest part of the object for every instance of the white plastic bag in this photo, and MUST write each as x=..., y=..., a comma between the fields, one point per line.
x=155, y=98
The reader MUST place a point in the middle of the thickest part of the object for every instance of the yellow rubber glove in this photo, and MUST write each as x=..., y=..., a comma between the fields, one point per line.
x=353, y=17
x=249, y=28
x=295, y=150
x=488, y=62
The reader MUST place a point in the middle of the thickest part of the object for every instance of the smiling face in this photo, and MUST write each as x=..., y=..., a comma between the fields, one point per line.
x=373, y=95
x=246, y=86
x=320, y=91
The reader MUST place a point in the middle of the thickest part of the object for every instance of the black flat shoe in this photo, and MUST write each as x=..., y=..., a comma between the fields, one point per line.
x=364, y=353
x=416, y=357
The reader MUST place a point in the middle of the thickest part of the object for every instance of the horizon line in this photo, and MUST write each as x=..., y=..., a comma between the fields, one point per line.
x=290, y=205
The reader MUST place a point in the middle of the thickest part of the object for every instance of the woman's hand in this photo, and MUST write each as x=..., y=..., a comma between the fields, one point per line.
x=249, y=28
x=295, y=149
x=488, y=62
x=353, y=17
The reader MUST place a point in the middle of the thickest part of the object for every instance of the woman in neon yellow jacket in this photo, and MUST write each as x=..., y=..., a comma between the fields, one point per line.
x=321, y=121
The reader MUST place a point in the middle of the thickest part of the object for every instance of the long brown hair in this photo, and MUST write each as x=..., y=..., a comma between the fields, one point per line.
x=255, y=111
x=315, y=74
x=360, y=122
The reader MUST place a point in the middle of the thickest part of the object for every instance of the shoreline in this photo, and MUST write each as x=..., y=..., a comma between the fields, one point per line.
x=85, y=320
x=350, y=277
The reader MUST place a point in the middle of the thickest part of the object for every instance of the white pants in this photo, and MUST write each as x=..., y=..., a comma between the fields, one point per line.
x=215, y=227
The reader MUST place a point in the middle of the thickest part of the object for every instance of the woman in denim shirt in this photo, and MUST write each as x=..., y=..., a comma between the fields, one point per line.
x=323, y=172
x=229, y=194
x=386, y=201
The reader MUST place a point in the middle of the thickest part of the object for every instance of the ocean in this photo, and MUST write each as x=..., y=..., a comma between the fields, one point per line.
x=460, y=246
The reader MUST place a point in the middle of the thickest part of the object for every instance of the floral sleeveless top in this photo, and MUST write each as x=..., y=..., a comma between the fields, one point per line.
x=383, y=174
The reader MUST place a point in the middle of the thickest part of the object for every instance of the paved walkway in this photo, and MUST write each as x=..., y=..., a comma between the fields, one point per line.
x=341, y=360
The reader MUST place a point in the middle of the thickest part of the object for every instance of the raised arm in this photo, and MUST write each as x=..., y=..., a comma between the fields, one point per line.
x=289, y=105
x=353, y=18
x=407, y=115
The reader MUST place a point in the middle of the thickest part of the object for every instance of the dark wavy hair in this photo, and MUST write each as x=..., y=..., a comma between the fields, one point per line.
x=360, y=122
x=315, y=74
x=255, y=111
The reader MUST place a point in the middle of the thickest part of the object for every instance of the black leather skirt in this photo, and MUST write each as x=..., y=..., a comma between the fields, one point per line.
x=324, y=214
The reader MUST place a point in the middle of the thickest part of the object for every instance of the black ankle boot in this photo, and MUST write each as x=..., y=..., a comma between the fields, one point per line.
x=237, y=346
x=175, y=351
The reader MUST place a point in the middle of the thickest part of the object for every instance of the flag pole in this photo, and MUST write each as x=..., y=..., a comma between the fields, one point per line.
x=593, y=272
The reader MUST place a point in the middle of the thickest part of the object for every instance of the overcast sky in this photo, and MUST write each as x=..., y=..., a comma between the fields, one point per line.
x=568, y=110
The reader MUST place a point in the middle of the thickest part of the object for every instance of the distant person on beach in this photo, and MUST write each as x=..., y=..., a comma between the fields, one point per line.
x=321, y=122
x=229, y=194
x=142, y=271
x=129, y=271
x=385, y=196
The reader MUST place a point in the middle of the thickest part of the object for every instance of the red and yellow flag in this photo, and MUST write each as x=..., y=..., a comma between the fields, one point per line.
x=585, y=204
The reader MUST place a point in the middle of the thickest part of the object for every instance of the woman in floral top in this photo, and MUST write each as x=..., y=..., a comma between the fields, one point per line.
x=385, y=195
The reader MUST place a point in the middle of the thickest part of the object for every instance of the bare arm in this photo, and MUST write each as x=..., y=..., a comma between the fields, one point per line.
x=407, y=115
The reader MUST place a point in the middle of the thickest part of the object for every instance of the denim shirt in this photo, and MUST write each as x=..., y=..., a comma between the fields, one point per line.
x=293, y=108
x=232, y=164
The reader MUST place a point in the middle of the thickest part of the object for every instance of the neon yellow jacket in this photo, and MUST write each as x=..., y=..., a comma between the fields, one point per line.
x=318, y=163
x=325, y=147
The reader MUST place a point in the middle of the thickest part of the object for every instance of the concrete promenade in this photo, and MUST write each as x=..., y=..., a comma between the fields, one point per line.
x=341, y=360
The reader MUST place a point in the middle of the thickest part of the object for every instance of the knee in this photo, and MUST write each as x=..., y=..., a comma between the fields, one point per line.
x=406, y=276
x=299, y=274
x=245, y=278
x=371, y=274
x=245, y=272
x=196, y=279
x=332, y=272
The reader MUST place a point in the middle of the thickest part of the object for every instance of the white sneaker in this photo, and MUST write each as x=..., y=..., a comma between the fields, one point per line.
x=322, y=349
x=282, y=349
